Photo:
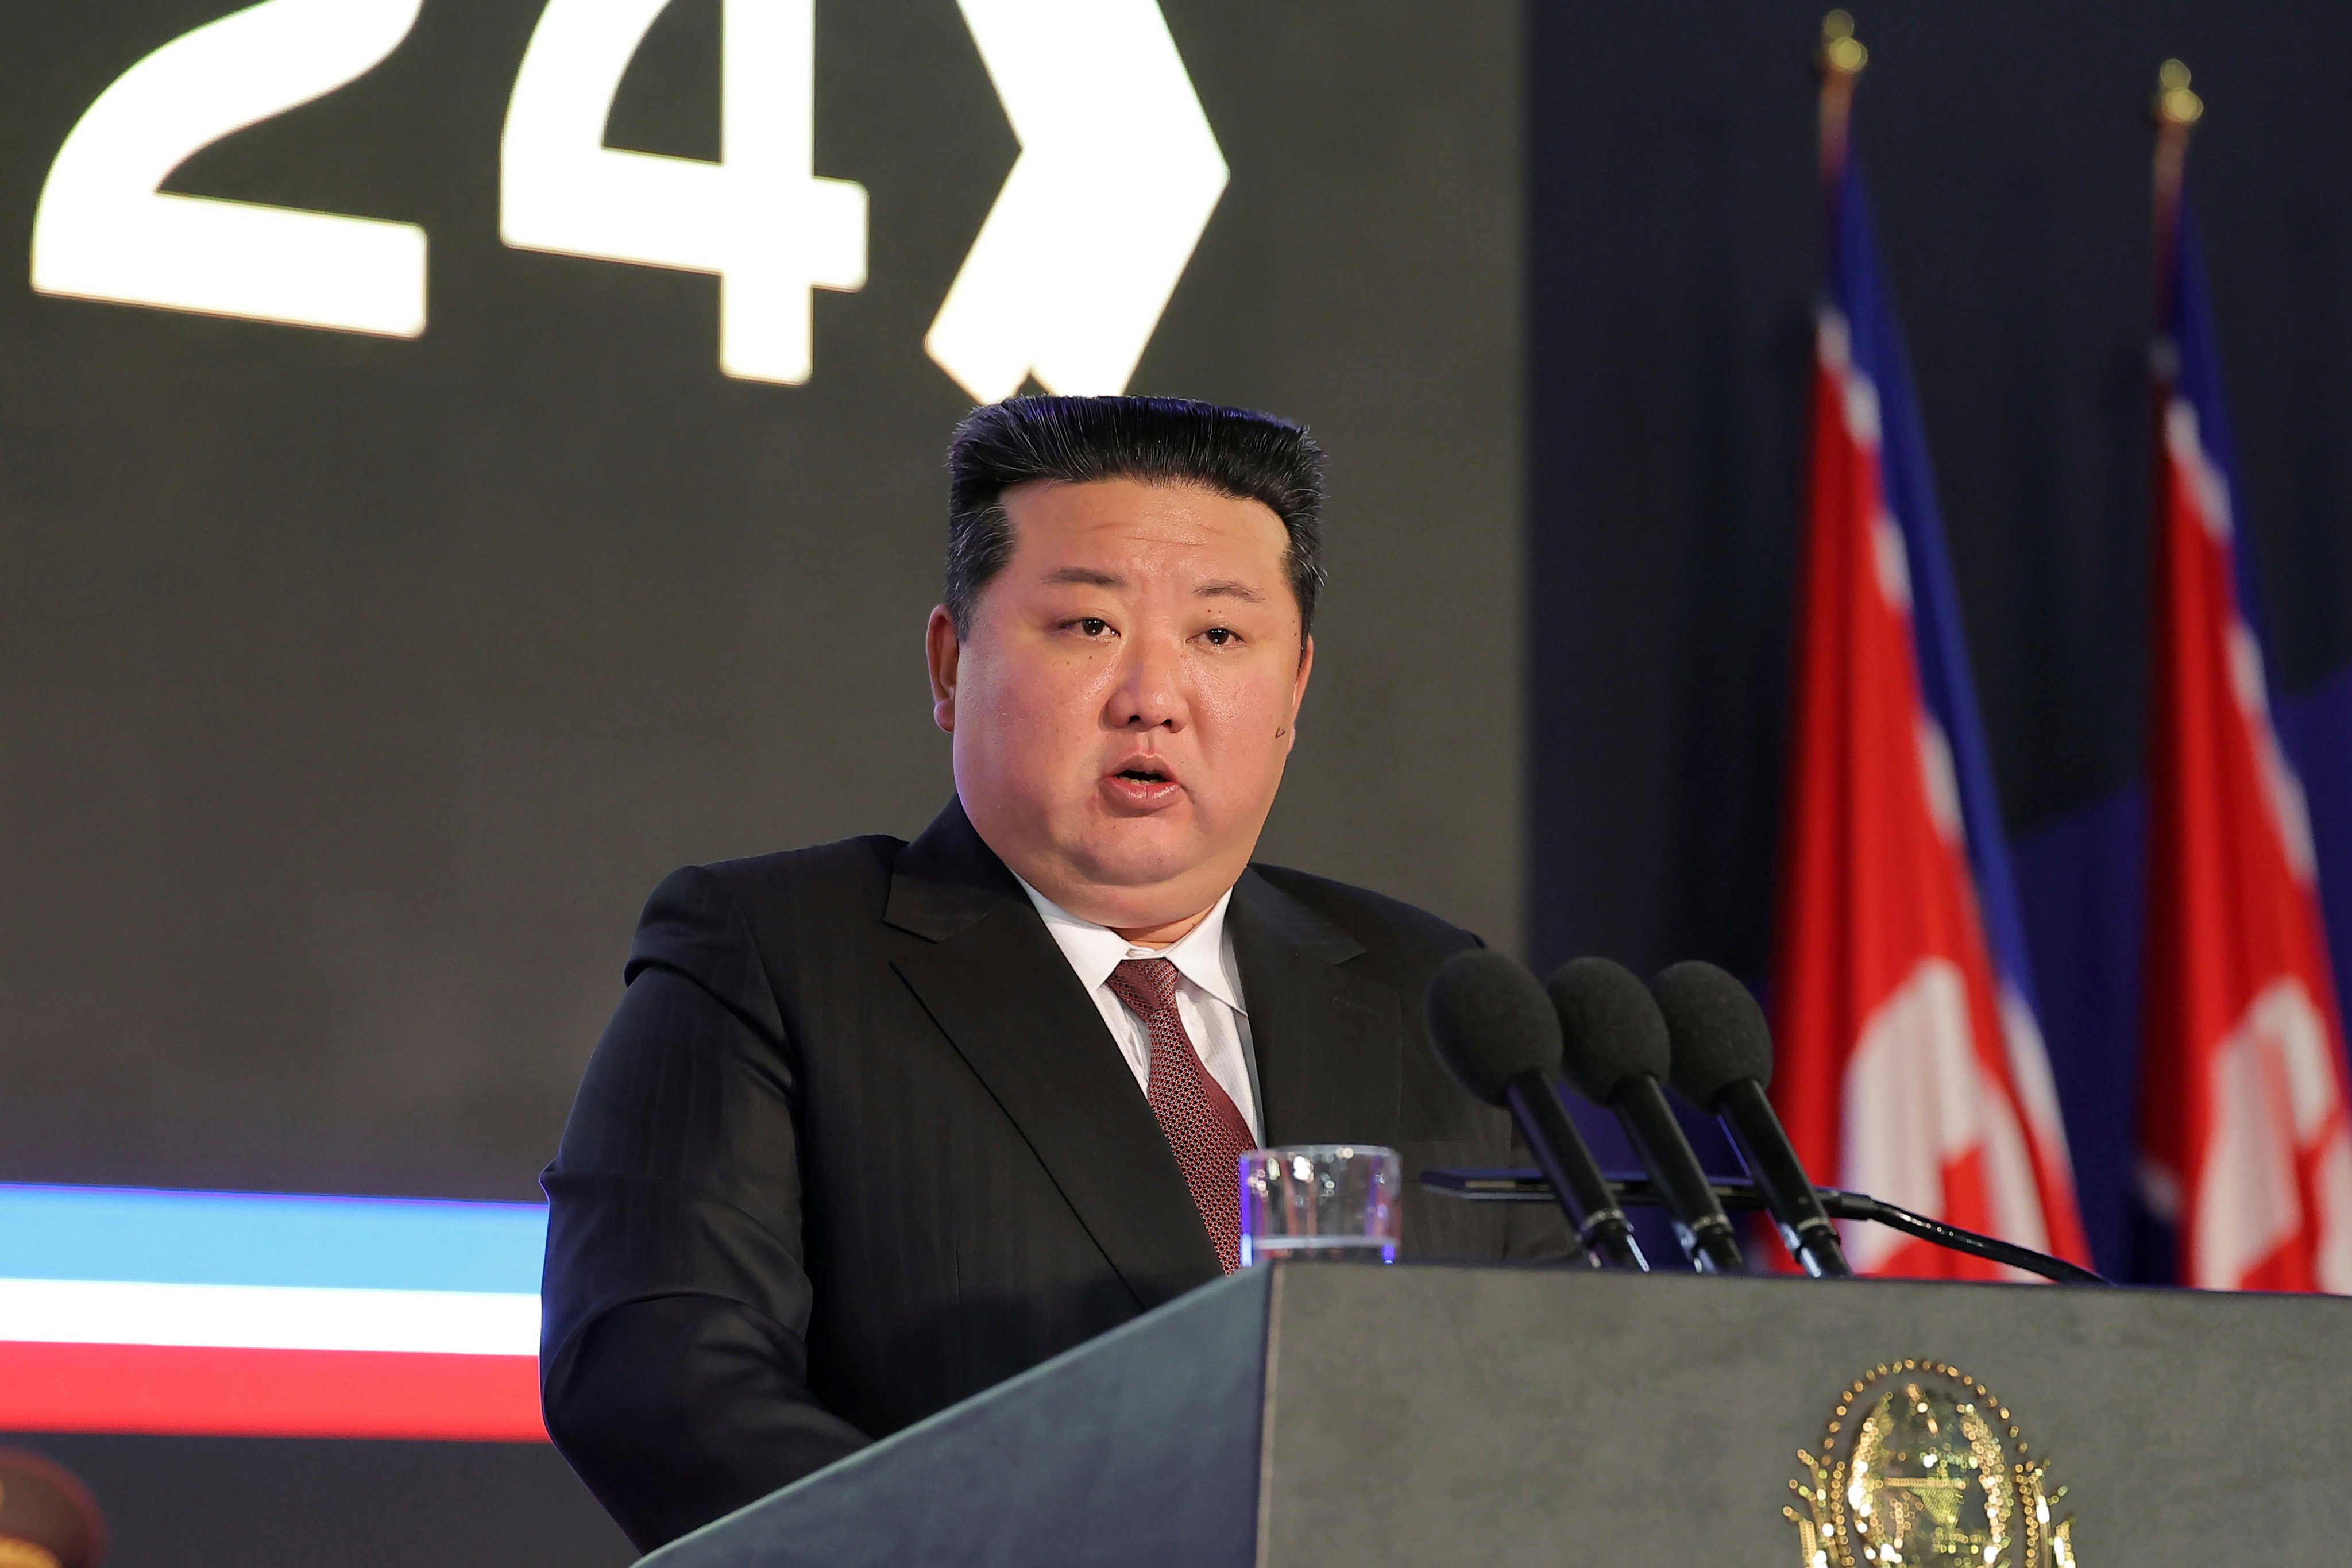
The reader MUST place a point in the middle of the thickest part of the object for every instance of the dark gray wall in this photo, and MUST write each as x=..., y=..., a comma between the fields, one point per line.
x=226, y=1502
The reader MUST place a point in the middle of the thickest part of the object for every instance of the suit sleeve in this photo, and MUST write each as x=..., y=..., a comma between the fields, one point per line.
x=674, y=1359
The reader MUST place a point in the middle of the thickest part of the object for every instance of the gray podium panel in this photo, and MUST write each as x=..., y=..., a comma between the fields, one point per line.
x=1434, y=1415
x=1140, y=1448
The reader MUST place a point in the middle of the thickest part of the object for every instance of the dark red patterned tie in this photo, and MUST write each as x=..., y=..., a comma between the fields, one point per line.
x=1207, y=1135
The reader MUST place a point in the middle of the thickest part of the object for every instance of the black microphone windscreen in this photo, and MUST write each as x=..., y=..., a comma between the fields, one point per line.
x=1718, y=1032
x=1490, y=1022
x=1609, y=1024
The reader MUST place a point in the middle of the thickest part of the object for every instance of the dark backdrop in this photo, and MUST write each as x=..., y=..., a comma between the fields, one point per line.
x=354, y=691
x=1674, y=252
x=1675, y=249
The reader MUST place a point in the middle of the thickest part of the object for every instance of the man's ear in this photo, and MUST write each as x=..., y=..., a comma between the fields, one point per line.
x=941, y=649
x=1298, y=684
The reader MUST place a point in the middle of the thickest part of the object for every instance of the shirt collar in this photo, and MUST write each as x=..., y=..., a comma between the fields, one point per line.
x=1204, y=956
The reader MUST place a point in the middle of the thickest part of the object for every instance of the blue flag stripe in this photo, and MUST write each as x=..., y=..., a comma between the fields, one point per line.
x=255, y=1238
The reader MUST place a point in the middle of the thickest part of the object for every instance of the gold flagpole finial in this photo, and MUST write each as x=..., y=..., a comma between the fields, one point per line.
x=2175, y=112
x=1840, y=58
x=1841, y=52
x=2175, y=104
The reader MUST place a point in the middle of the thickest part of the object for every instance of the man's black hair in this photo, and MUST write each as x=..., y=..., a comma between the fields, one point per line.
x=1160, y=440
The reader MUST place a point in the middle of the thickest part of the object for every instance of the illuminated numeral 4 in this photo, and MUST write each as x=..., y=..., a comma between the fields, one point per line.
x=759, y=218
x=105, y=231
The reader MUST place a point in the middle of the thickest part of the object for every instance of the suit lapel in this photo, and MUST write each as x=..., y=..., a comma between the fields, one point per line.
x=997, y=986
x=1328, y=1040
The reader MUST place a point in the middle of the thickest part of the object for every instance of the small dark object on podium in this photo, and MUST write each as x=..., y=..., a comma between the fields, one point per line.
x=48, y=1519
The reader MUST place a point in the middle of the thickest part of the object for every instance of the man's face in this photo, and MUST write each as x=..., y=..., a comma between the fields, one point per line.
x=1126, y=696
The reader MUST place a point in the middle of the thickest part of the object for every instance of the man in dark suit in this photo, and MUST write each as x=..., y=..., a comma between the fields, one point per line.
x=880, y=1124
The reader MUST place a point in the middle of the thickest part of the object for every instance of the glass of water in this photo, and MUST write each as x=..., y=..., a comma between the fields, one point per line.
x=1322, y=1202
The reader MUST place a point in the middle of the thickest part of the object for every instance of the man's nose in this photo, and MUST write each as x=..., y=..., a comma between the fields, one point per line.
x=1150, y=693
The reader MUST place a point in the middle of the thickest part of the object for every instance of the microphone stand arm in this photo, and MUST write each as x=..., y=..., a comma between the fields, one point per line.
x=1528, y=1186
x=1842, y=1204
x=1952, y=1239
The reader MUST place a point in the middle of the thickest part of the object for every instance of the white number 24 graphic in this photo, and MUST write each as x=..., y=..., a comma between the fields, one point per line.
x=760, y=219
x=1118, y=173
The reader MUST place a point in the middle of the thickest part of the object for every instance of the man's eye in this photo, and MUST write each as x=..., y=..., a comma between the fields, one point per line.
x=1220, y=636
x=1091, y=625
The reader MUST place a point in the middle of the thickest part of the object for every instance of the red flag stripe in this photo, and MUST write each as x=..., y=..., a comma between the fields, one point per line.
x=1895, y=1042
x=2244, y=1123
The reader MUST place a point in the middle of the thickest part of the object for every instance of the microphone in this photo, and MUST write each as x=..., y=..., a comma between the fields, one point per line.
x=1616, y=1050
x=1723, y=1062
x=1494, y=1031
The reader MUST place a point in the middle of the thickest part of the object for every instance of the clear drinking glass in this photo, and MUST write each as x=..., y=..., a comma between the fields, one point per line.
x=1322, y=1202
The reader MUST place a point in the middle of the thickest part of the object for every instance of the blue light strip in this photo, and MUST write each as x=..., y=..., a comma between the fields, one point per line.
x=262, y=1238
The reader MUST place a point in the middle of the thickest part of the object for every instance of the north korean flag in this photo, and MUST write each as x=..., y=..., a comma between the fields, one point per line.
x=2243, y=1124
x=1911, y=1065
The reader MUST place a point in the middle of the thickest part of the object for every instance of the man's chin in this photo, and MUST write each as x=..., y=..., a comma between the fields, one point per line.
x=1143, y=874
x=1131, y=875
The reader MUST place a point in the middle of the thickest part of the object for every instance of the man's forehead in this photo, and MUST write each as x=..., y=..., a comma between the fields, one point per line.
x=1096, y=577
x=1057, y=517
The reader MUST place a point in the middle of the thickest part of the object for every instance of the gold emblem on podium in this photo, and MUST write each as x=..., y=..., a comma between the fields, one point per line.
x=1922, y=1465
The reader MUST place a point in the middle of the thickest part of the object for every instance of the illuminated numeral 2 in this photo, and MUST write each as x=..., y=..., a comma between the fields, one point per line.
x=104, y=231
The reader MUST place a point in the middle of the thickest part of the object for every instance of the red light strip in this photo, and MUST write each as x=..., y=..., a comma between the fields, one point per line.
x=206, y=1392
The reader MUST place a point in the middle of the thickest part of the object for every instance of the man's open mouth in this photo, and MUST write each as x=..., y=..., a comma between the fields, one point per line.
x=1145, y=781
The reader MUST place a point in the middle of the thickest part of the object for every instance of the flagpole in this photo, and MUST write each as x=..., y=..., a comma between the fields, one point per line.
x=1840, y=59
x=2175, y=109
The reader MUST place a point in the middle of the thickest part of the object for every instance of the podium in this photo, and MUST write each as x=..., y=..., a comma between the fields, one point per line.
x=1348, y=1414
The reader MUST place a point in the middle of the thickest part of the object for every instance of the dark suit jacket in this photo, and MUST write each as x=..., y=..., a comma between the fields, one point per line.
x=856, y=1145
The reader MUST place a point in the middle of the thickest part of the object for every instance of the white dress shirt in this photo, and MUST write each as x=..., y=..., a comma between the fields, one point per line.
x=1208, y=995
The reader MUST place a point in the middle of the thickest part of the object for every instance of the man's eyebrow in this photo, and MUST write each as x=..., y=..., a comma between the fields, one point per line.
x=1086, y=576
x=1229, y=590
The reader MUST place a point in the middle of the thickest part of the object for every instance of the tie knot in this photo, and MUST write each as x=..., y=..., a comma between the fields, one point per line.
x=1148, y=986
